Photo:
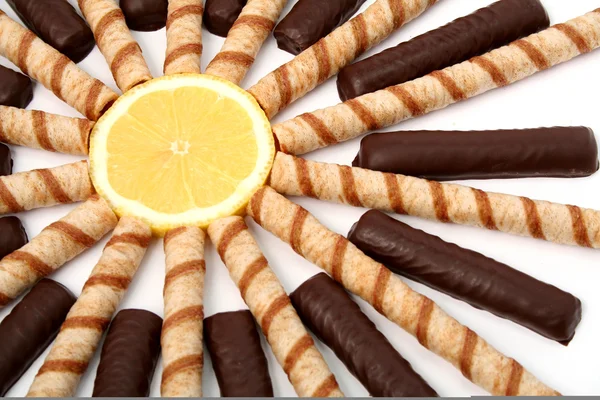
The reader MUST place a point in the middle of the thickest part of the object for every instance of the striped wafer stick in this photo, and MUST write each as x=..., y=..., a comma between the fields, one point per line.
x=474, y=357
x=440, y=89
x=122, y=53
x=329, y=55
x=245, y=38
x=181, y=340
x=55, y=71
x=46, y=187
x=91, y=314
x=184, y=37
x=444, y=202
x=267, y=300
x=46, y=131
x=54, y=246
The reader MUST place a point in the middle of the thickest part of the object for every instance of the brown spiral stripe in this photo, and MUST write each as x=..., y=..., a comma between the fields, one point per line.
x=191, y=9
x=41, y=130
x=255, y=22
x=183, y=50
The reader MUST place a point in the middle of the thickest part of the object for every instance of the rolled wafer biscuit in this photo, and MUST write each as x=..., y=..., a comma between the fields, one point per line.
x=444, y=202
x=55, y=71
x=325, y=58
x=184, y=37
x=54, y=246
x=91, y=314
x=122, y=53
x=440, y=89
x=415, y=313
x=46, y=131
x=245, y=38
x=181, y=335
x=267, y=300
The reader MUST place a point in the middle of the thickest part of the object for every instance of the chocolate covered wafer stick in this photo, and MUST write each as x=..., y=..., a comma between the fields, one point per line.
x=440, y=89
x=267, y=300
x=55, y=71
x=220, y=15
x=442, y=202
x=54, y=246
x=415, y=313
x=91, y=314
x=184, y=37
x=245, y=38
x=182, y=351
x=325, y=58
x=122, y=53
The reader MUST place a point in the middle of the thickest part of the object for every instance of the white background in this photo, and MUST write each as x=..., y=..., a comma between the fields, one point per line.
x=565, y=95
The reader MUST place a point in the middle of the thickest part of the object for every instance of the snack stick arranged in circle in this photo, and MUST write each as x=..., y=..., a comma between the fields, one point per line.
x=329, y=55
x=89, y=317
x=54, y=246
x=184, y=37
x=439, y=89
x=220, y=15
x=55, y=71
x=269, y=303
x=444, y=202
x=181, y=335
x=415, y=313
x=122, y=53
x=245, y=38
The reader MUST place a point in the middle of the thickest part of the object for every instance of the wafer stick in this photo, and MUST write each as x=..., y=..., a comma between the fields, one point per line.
x=122, y=53
x=418, y=315
x=329, y=55
x=245, y=38
x=55, y=71
x=54, y=246
x=184, y=37
x=181, y=340
x=46, y=131
x=440, y=89
x=90, y=315
x=267, y=300
x=444, y=202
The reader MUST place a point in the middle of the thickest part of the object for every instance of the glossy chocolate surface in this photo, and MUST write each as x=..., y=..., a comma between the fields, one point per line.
x=16, y=90
x=145, y=15
x=219, y=15
x=12, y=235
x=6, y=161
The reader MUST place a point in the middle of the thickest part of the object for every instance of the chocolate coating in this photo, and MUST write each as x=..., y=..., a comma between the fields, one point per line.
x=145, y=15
x=30, y=327
x=311, y=20
x=329, y=312
x=437, y=155
x=219, y=15
x=129, y=355
x=16, y=90
x=468, y=276
x=6, y=161
x=237, y=356
x=488, y=28
x=12, y=235
x=57, y=23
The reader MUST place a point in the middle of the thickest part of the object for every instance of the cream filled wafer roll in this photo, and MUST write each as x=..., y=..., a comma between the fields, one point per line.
x=46, y=131
x=55, y=71
x=54, y=246
x=184, y=37
x=444, y=202
x=329, y=55
x=440, y=89
x=91, y=314
x=269, y=303
x=122, y=53
x=181, y=339
x=474, y=357
x=245, y=38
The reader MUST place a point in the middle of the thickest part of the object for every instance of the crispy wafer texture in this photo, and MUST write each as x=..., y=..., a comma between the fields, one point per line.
x=55, y=71
x=91, y=314
x=440, y=89
x=267, y=300
x=122, y=53
x=418, y=315
x=54, y=246
x=329, y=55
x=181, y=339
x=245, y=38
x=184, y=37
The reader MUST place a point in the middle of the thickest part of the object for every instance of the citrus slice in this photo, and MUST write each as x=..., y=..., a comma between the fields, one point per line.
x=181, y=150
